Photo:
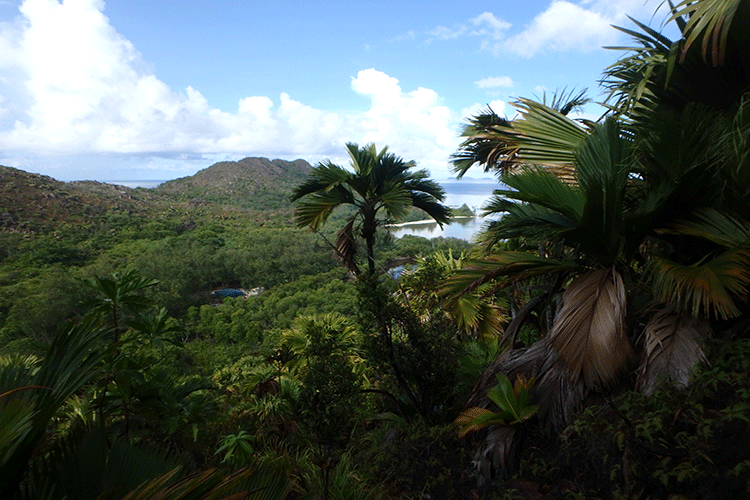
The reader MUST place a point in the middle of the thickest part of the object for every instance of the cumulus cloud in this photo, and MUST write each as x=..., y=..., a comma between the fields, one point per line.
x=563, y=26
x=413, y=124
x=493, y=82
x=84, y=89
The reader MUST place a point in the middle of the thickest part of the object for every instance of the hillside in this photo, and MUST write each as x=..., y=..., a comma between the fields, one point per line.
x=257, y=183
x=32, y=202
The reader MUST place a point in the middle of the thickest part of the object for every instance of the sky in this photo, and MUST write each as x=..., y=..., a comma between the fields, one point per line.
x=159, y=89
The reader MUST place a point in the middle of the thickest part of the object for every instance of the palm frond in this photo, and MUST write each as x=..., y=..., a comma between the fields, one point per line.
x=589, y=330
x=316, y=207
x=715, y=226
x=71, y=362
x=545, y=136
x=709, y=288
x=324, y=176
x=671, y=350
x=428, y=204
x=526, y=220
x=603, y=176
x=507, y=265
x=711, y=20
x=396, y=200
x=539, y=186
x=346, y=247
x=566, y=100
x=486, y=145
x=16, y=420
x=211, y=484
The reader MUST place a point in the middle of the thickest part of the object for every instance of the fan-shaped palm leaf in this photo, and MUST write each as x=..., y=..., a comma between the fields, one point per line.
x=709, y=287
x=671, y=349
x=544, y=135
x=537, y=185
x=711, y=19
x=486, y=145
x=715, y=226
x=508, y=265
x=71, y=362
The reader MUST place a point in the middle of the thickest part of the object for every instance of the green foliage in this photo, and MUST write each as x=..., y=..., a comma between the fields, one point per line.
x=345, y=482
x=236, y=449
x=418, y=460
x=70, y=363
x=118, y=296
x=669, y=443
x=513, y=400
x=329, y=397
x=250, y=320
x=417, y=361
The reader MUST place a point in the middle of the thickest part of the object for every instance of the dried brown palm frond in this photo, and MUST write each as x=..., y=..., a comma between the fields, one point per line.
x=589, y=331
x=494, y=459
x=671, y=350
x=526, y=362
x=346, y=247
x=558, y=393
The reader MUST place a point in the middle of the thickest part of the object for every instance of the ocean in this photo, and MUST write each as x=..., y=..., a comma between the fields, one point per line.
x=473, y=193
x=136, y=184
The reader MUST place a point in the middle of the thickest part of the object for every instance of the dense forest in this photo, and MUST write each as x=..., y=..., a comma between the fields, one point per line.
x=254, y=331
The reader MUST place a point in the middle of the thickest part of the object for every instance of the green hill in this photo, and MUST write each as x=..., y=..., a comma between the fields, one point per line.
x=257, y=183
x=32, y=202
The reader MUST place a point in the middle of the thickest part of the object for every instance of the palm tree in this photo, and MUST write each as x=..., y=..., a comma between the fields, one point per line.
x=473, y=314
x=654, y=226
x=378, y=185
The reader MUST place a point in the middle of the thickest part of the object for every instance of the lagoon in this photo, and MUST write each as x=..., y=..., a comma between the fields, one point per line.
x=471, y=192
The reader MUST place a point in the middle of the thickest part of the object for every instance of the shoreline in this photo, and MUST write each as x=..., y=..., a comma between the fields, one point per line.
x=428, y=221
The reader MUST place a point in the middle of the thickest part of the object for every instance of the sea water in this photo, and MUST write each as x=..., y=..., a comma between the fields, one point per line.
x=470, y=192
x=137, y=184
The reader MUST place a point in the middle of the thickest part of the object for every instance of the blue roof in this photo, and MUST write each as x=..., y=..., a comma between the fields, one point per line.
x=228, y=292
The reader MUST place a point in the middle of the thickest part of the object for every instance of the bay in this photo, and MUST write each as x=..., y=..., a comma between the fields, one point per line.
x=473, y=193
x=137, y=184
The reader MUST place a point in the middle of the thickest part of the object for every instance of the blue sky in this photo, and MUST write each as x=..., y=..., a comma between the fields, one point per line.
x=157, y=89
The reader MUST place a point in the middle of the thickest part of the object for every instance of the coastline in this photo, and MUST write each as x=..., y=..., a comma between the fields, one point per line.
x=428, y=221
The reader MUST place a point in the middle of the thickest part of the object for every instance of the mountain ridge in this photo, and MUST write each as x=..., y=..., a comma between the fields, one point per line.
x=30, y=202
x=253, y=182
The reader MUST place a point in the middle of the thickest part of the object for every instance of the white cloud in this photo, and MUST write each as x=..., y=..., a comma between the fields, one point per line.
x=493, y=82
x=86, y=90
x=563, y=26
x=488, y=24
x=414, y=125
x=484, y=25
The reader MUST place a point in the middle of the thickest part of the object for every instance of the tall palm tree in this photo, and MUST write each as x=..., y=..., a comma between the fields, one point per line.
x=656, y=224
x=380, y=185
